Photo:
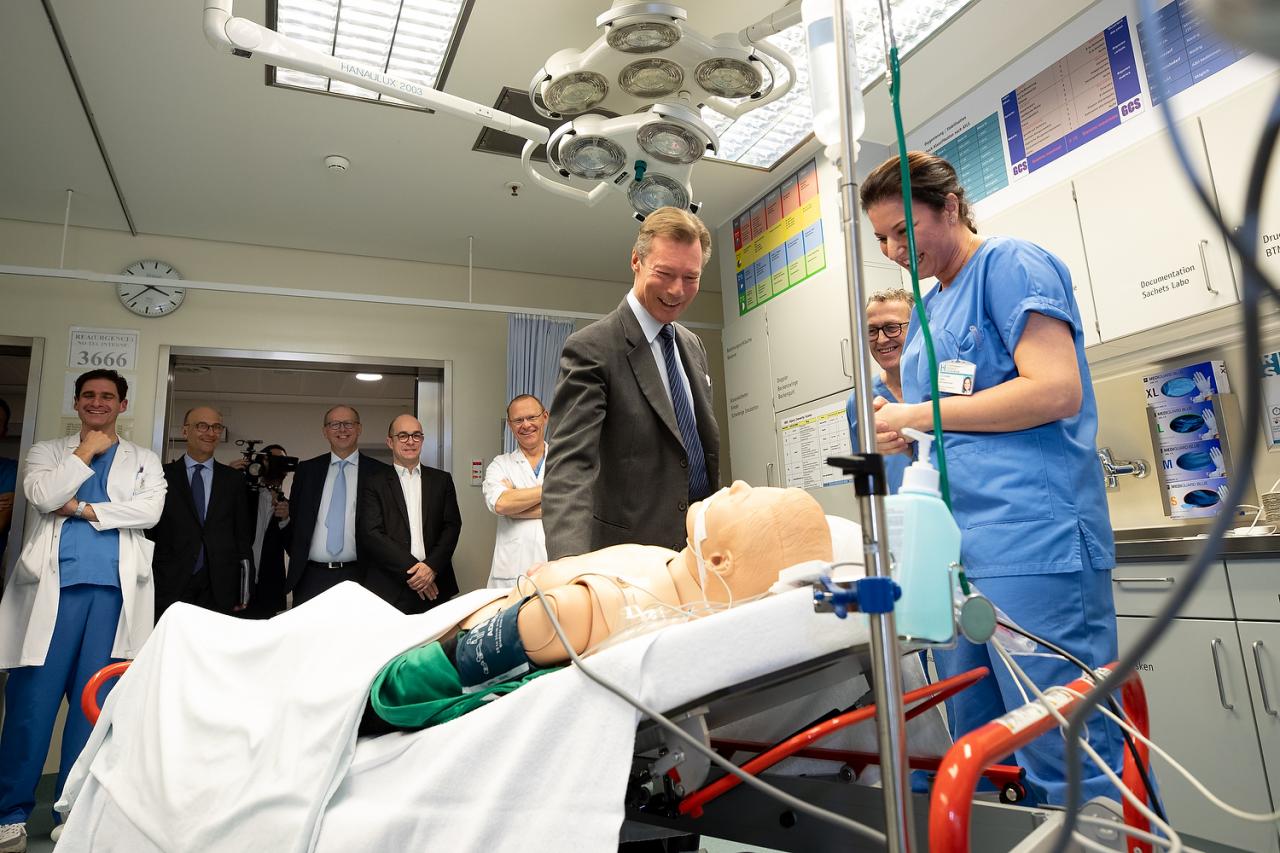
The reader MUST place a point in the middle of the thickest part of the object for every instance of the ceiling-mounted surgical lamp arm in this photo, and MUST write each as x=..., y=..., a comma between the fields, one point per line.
x=755, y=36
x=250, y=40
x=589, y=198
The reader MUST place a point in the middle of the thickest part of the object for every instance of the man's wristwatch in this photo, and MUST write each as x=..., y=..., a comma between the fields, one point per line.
x=79, y=513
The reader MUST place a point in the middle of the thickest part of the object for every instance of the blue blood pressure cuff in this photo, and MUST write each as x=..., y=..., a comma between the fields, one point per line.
x=492, y=651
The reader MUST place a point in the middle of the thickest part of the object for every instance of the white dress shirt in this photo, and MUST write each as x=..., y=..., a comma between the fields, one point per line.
x=319, y=552
x=520, y=544
x=651, y=329
x=411, y=485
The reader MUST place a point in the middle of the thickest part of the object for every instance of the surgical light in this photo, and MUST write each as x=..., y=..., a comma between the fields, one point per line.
x=656, y=191
x=576, y=92
x=670, y=142
x=651, y=78
x=592, y=157
x=643, y=37
x=728, y=78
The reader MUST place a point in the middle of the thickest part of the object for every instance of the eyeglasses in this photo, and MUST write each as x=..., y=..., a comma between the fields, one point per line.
x=406, y=437
x=891, y=330
x=202, y=427
x=338, y=426
x=528, y=419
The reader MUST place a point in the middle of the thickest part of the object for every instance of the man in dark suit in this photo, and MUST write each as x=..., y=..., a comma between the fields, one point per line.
x=202, y=538
x=634, y=439
x=408, y=525
x=323, y=550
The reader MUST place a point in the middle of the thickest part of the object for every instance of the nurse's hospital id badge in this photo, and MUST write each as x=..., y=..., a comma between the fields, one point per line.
x=956, y=377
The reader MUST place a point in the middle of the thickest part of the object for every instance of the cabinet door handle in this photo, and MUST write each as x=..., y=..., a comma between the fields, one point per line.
x=768, y=473
x=846, y=346
x=1143, y=580
x=1217, y=670
x=1204, y=268
x=1262, y=679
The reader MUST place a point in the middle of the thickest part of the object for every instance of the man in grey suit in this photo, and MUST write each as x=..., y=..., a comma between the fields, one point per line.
x=634, y=439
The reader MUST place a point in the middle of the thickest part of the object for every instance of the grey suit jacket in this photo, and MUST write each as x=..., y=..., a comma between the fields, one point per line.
x=616, y=465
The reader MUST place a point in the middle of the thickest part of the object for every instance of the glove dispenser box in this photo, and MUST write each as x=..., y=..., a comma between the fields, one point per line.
x=1192, y=449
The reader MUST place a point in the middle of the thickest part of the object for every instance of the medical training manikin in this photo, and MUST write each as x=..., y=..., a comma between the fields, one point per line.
x=739, y=540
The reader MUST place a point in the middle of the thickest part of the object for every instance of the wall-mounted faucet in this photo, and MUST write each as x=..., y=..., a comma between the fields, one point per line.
x=1112, y=470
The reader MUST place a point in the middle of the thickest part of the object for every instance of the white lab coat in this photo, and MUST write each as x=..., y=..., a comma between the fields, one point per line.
x=29, y=609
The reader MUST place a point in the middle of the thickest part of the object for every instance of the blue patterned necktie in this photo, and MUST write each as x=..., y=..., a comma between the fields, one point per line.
x=197, y=495
x=336, y=519
x=698, y=488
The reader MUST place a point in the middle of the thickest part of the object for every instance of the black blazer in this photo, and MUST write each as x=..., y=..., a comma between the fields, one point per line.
x=383, y=537
x=617, y=470
x=178, y=535
x=304, y=508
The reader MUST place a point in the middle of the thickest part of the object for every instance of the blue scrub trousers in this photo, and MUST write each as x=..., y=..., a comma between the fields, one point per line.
x=1074, y=610
x=83, y=634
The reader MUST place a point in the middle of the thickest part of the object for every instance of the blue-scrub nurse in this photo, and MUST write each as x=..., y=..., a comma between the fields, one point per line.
x=888, y=317
x=1020, y=441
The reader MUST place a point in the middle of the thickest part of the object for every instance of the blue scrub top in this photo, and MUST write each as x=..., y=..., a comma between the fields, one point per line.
x=894, y=464
x=86, y=555
x=1026, y=501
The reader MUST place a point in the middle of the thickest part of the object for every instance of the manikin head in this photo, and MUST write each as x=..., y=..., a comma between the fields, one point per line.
x=751, y=534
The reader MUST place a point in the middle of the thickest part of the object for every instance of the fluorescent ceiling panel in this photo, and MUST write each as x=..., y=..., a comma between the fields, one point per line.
x=409, y=39
x=764, y=136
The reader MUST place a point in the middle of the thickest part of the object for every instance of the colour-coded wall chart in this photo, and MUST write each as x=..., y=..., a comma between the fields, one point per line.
x=1076, y=99
x=777, y=242
x=1189, y=48
x=978, y=155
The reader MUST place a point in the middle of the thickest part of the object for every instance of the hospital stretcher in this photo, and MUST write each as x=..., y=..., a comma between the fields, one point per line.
x=673, y=788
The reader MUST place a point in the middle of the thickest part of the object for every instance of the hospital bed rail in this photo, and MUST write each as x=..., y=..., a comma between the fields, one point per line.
x=953, y=792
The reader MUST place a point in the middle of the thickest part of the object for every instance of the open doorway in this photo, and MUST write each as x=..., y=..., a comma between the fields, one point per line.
x=281, y=398
x=20, y=367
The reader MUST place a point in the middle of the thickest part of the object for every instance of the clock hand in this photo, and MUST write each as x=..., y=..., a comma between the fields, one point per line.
x=159, y=291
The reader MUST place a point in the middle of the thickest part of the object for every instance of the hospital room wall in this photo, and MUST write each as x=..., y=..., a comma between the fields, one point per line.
x=474, y=341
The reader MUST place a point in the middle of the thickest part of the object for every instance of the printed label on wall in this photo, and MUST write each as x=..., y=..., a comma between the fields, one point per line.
x=808, y=438
x=1076, y=99
x=1188, y=46
x=778, y=240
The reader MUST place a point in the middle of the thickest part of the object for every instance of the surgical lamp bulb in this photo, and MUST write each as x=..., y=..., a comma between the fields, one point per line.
x=670, y=142
x=576, y=92
x=651, y=78
x=642, y=37
x=656, y=191
x=728, y=78
x=592, y=157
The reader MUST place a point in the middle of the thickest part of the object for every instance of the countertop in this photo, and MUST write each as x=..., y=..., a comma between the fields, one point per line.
x=1133, y=545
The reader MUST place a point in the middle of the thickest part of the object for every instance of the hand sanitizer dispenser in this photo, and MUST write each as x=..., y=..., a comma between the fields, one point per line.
x=924, y=542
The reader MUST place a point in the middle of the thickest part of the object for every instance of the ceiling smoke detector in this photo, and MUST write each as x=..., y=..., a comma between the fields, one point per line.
x=336, y=164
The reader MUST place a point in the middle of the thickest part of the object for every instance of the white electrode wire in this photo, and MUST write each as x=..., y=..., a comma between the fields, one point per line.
x=1175, y=841
x=760, y=785
x=1234, y=811
x=1142, y=834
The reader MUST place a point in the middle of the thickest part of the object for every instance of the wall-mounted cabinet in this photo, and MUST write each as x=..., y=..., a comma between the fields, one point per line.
x=1155, y=256
x=1049, y=220
x=1231, y=129
x=749, y=383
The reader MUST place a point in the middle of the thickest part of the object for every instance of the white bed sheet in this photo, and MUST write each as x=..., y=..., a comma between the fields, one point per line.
x=543, y=768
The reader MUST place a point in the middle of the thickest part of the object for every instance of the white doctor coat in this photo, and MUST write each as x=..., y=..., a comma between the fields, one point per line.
x=29, y=608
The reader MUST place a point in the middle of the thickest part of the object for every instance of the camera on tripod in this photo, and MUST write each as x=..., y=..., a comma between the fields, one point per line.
x=264, y=469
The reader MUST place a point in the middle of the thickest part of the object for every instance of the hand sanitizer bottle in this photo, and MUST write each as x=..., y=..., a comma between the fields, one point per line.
x=924, y=541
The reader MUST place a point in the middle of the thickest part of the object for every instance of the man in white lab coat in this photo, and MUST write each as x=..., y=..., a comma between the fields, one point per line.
x=513, y=492
x=81, y=594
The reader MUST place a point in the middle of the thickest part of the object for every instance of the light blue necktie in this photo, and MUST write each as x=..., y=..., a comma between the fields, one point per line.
x=336, y=520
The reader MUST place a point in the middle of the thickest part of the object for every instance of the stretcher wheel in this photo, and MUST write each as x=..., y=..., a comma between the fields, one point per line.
x=1012, y=792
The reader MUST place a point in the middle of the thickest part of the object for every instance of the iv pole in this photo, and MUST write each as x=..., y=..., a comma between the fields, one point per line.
x=885, y=660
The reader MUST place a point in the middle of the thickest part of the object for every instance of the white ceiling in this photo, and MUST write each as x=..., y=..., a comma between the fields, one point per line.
x=202, y=148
